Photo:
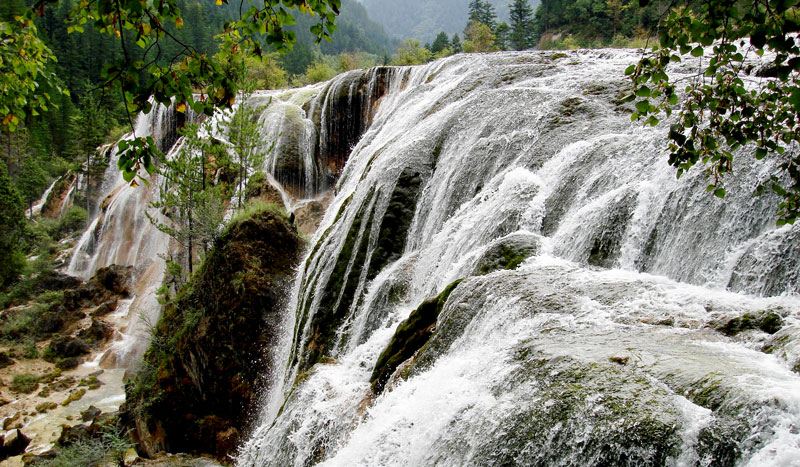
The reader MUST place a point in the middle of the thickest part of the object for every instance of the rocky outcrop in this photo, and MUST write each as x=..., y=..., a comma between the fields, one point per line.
x=409, y=337
x=209, y=352
x=58, y=195
x=107, y=283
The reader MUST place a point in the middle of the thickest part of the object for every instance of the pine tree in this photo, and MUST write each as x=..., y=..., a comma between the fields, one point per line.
x=440, y=42
x=521, y=15
x=193, y=205
x=12, y=223
x=502, y=35
x=246, y=141
x=32, y=181
x=456, y=43
x=483, y=12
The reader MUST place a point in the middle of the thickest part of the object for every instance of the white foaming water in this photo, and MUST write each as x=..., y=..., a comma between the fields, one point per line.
x=607, y=345
x=37, y=207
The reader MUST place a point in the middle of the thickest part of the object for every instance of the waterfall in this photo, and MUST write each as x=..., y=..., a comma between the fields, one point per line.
x=301, y=167
x=121, y=234
x=608, y=313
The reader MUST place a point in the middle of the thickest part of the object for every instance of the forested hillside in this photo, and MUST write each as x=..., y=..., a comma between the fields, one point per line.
x=423, y=19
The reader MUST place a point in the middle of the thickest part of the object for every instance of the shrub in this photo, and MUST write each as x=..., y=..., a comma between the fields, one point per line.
x=25, y=383
x=73, y=220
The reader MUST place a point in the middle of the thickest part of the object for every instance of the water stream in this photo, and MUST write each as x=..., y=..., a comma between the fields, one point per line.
x=646, y=322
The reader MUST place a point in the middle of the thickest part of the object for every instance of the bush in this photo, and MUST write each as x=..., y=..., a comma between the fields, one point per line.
x=25, y=383
x=18, y=324
x=107, y=449
x=73, y=220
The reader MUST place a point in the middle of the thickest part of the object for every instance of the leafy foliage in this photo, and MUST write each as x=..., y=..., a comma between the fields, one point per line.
x=596, y=22
x=412, y=53
x=24, y=61
x=723, y=109
x=12, y=219
x=187, y=197
x=479, y=38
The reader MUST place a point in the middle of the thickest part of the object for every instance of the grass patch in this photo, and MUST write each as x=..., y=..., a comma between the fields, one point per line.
x=253, y=207
x=25, y=383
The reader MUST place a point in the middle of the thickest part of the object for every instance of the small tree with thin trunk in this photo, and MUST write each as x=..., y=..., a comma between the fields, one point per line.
x=193, y=205
x=247, y=145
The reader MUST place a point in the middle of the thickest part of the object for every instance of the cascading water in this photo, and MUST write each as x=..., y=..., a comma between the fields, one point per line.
x=121, y=234
x=300, y=165
x=609, y=314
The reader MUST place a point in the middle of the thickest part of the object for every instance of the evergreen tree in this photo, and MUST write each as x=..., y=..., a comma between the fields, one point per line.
x=502, y=35
x=246, y=141
x=12, y=222
x=521, y=15
x=32, y=181
x=440, y=42
x=483, y=12
x=193, y=205
x=456, y=43
x=90, y=131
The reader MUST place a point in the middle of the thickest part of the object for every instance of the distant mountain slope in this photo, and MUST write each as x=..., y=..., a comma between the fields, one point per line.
x=423, y=19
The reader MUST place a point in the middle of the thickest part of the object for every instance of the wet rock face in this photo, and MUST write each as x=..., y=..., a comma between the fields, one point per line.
x=108, y=283
x=209, y=353
x=508, y=253
x=55, y=200
x=409, y=337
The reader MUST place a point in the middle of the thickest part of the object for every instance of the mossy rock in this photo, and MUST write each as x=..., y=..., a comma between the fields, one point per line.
x=210, y=351
x=508, y=252
x=766, y=321
x=559, y=419
x=409, y=337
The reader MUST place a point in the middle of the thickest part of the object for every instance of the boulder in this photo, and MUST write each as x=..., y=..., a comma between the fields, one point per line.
x=14, y=444
x=210, y=348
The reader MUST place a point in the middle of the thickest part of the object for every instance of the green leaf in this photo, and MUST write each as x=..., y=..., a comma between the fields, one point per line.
x=719, y=192
x=697, y=51
x=643, y=106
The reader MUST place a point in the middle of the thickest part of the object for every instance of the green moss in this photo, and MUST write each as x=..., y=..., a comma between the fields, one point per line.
x=46, y=406
x=340, y=288
x=409, y=337
x=253, y=208
x=569, y=412
x=766, y=320
x=75, y=396
x=396, y=221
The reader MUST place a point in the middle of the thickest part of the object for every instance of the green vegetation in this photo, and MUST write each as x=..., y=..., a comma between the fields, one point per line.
x=568, y=24
x=424, y=19
x=409, y=337
x=25, y=383
x=108, y=447
x=188, y=195
x=720, y=115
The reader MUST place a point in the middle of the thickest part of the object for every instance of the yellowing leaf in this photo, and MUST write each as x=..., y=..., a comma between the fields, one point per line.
x=219, y=2
x=181, y=107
